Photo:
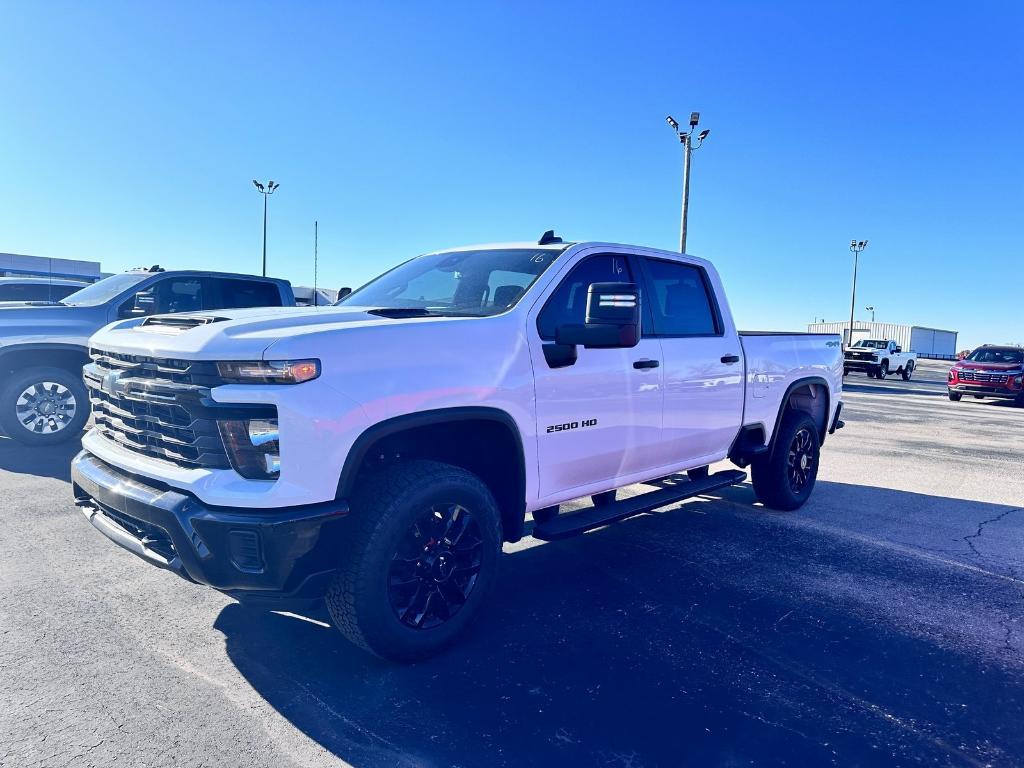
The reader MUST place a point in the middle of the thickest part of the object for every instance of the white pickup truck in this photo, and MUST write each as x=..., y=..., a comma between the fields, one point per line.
x=878, y=358
x=378, y=453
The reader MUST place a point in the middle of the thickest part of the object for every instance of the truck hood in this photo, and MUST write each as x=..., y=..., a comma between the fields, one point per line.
x=22, y=323
x=233, y=334
x=968, y=365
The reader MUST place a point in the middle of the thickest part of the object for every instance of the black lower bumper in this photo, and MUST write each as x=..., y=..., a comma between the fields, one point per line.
x=860, y=365
x=248, y=553
x=981, y=389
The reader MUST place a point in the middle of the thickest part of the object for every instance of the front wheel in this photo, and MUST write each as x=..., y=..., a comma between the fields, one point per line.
x=954, y=396
x=418, y=561
x=785, y=477
x=43, y=406
x=883, y=369
x=908, y=371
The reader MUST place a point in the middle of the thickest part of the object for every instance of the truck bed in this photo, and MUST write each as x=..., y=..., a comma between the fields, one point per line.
x=773, y=361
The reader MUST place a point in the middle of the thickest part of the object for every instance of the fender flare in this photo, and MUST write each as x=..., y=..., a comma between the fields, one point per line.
x=383, y=429
x=6, y=351
x=785, y=400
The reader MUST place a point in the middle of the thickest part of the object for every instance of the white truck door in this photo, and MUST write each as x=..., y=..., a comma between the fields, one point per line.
x=703, y=361
x=600, y=417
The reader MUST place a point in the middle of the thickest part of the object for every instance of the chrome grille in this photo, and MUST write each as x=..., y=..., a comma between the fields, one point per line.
x=157, y=407
x=983, y=377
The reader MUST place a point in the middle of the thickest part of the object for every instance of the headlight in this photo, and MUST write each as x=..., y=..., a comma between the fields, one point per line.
x=952, y=374
x=253, y=447
x=269, y=371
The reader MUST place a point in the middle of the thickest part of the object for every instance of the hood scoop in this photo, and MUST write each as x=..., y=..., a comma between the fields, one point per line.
x=178, y=323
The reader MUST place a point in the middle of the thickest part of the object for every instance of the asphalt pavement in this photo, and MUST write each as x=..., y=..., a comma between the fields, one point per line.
x=879, y=625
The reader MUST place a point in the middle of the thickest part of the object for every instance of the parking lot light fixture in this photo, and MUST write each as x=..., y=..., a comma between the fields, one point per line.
x=265, y=190
x=857, y=246
x=686, y=139
x=872, y=311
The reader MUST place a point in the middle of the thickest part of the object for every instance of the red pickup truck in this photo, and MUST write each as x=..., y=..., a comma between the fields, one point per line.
x=989, y=371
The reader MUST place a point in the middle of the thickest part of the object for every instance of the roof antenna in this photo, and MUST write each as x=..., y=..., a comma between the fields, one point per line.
x=549, y=237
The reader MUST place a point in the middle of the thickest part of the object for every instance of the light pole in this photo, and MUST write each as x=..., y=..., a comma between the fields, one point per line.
x=872, y=311
x=686, y=139
x=266, y=191
x=856, y=246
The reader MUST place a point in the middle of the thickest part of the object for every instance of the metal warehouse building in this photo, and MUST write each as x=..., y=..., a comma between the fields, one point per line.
x=16, y=265
x=927, y=342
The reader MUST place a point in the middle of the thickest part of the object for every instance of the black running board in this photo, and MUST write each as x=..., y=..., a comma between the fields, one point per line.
x=564, y=526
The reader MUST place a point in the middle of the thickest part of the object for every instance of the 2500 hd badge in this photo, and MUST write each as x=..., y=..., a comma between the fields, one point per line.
x=572, y=425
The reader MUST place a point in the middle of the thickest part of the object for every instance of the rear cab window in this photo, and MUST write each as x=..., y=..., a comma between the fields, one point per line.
x=681, y=299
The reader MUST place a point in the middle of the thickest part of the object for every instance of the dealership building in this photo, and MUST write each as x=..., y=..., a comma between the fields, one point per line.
x=927, y=342
x=17, y=265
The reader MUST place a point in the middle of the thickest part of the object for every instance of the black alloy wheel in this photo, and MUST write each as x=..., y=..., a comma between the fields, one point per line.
x=801, y=461
x=435, y=567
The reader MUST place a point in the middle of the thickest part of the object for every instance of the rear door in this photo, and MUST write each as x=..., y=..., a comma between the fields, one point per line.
x=703, y=365
x=599, y=418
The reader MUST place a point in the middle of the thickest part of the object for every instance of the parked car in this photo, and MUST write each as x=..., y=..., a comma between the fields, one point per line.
x=306, y=296
x=377, y=453
x=37, y=289
x=989, y=371
x=878, y=358
x=44, y=346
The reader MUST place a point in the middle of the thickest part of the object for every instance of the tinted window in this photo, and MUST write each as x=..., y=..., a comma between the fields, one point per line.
x=568, y=304
x=243, y=293
x=181, y=294
x=682, y=304
x=35, y=291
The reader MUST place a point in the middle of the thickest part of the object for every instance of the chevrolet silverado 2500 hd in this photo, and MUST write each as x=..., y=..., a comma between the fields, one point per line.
x=378, y=453
x=878, y=358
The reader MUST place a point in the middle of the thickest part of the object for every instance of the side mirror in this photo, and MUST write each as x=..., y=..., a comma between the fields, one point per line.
x=897, y=349
x=612, y=320
x=142, y=303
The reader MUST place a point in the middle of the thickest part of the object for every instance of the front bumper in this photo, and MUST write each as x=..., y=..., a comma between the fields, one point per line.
x=860, y=365
x=986, y=391
x=286, y=554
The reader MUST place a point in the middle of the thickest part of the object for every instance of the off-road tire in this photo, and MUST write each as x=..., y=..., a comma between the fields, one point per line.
x=770, y=473
x=954, y=396
x=18, y=382
x=908, y=370
x=384, y=507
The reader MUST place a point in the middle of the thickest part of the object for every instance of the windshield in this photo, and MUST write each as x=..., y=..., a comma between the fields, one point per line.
x=104, y=290
x=1003, y=356
x=461, y=283
x=872, y=343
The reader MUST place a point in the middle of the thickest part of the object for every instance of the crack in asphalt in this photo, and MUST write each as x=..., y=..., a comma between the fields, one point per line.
x=981, y=526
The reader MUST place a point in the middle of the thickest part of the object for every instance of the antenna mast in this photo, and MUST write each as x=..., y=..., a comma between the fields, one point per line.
x=316, y=245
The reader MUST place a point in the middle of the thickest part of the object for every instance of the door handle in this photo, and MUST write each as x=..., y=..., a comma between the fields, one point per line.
x=641, y=364
x=730, y=359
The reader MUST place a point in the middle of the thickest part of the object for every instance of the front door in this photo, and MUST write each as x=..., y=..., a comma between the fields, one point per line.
x=599, y=418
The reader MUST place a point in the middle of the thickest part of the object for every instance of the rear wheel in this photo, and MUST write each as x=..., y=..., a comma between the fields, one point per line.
x=43, y=406
x=908, y=370
x=785, y=477
x=420, y=557
x=954, y=396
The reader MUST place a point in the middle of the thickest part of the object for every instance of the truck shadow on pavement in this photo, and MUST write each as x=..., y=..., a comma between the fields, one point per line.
x=711, y=634
x=48, y=461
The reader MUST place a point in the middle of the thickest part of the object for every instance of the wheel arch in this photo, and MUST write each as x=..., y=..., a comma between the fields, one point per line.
x=70, y=357
x=810, y=394
x=482, y=440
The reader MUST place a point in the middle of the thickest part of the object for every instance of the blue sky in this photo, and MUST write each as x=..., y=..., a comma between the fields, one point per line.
x=131, y=133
